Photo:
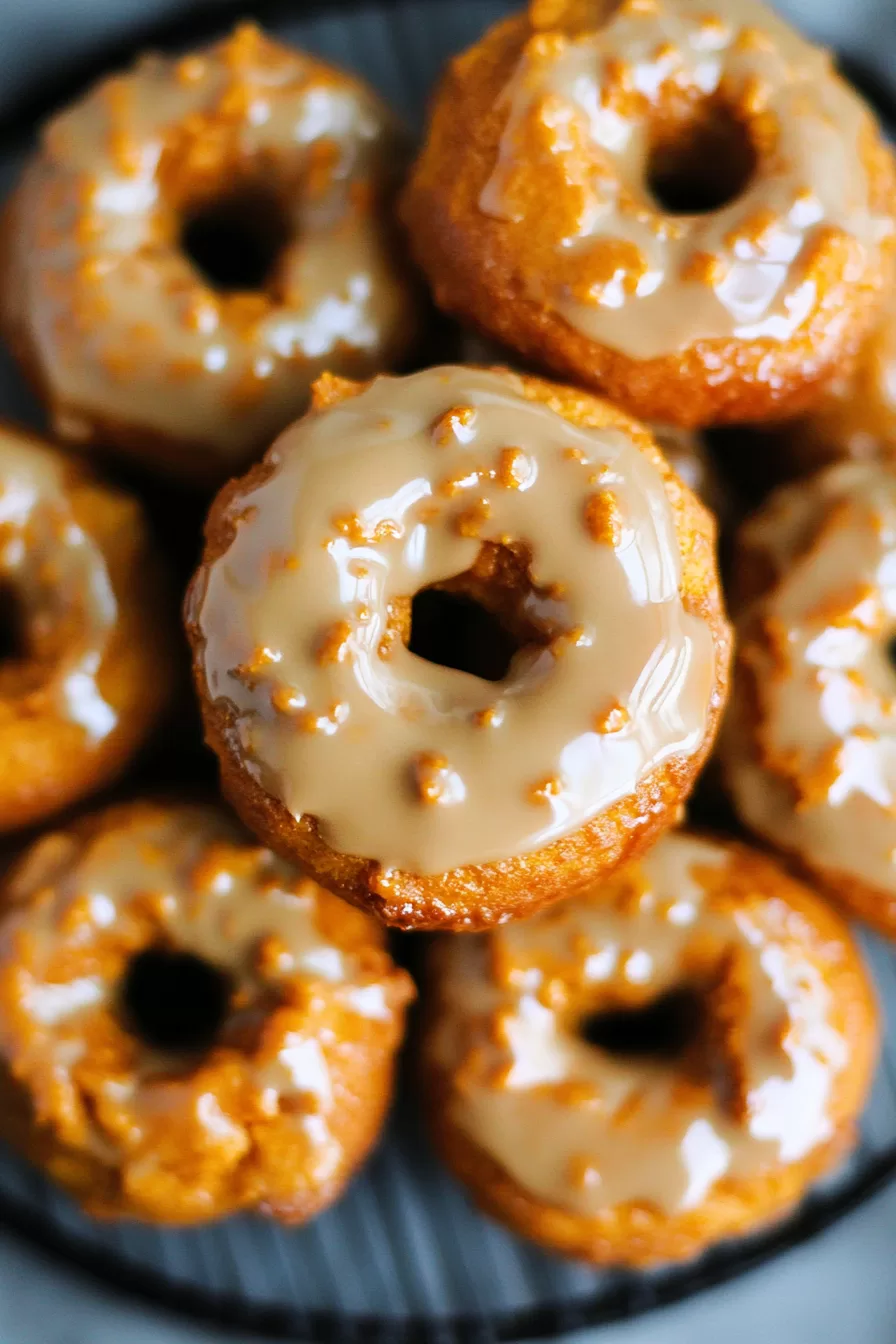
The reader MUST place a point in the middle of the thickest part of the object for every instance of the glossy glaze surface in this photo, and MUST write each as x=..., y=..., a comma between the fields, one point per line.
x=124, y=326
x=812, y=760
x=252, y=1118
x=598, y=90
x=586, y=1130
x=407, y=485
x=63, y=608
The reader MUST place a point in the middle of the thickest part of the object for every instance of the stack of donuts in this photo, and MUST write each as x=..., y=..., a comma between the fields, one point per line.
x=459, y=640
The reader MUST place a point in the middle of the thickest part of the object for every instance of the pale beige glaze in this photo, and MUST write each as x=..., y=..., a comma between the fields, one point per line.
x=810, y=749
x=586, y=1131
x=61, y=591
x=124, y=327
x=419, y=766
x=649, y=283
x=186, y=878
x=684, y=449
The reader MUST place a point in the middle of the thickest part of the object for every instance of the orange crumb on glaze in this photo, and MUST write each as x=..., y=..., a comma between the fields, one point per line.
x=351, y=525
x=470, y=521
x=334, y=645
x=455, y=426
x=603, y=519
x=434, y=782
x=612, y=719
x=213, y=1134
x=512, y=470
x=546, y=789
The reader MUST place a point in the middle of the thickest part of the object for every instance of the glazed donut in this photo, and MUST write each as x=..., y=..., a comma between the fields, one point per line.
x=459, y=643
x=856, y=416
x=89, y=658
x=810, y=742
x=689, y=456
x=661, y=1062
x=683, y=207
x=194, y=242
x=685, y=451
x=187, y=1027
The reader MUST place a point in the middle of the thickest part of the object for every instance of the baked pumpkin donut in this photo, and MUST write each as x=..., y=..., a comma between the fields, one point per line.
x=665, y=1060
x=685, y=450
x=681, y=206
x=809, y=748
x=89, y=663
x=194, y=242
x=856, y=415
x=188, y=1027
x=459, y=643
x=689, y=455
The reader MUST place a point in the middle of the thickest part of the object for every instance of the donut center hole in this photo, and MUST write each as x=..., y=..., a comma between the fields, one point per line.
x=454, y=630
x=699, y=164
x=13, y=636
x=174, y=1001
x=662, y=1029
x=236, y=240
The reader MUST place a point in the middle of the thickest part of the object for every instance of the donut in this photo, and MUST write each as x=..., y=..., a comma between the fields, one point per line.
x=689, y=456
x=856, y=415
x=188, y=1028
x=459, y=643
x=681, y=206
x=686, y=451
x=194, y=242
x=809, y=749
x=88, y=664
x=666, y=1060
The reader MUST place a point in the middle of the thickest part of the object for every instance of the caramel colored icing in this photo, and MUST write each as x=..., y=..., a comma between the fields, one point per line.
x=857, y=416
x=410, y=483
x=812, y=749
x=125, y=327
x=310, y=982
x=63, y=604
x=589, y=106
x=752, y=1090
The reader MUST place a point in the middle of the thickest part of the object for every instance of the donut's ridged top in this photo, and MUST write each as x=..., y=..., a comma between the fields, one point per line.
x=302, y=620
x=61, y=585
x=123, y=328
x=811, y=752
x=310, y=983
x=598, y=90
x=586, y=1131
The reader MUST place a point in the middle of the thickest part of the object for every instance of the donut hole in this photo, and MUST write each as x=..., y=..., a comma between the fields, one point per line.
x=235, y=240
x=700, y=163
x=478, y=621
x=454, y=630
x=663, y=1029
x=174, y=1001
x=13, y=629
